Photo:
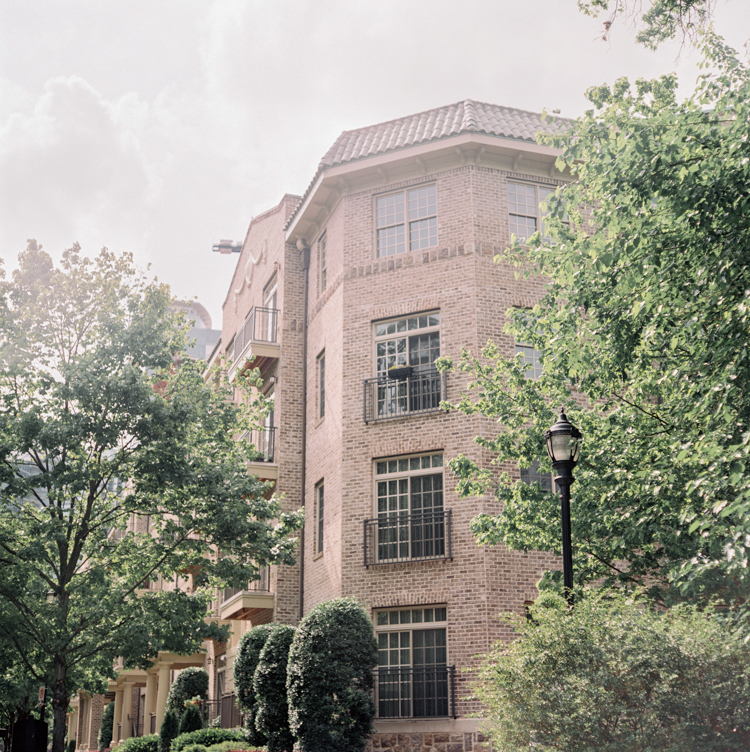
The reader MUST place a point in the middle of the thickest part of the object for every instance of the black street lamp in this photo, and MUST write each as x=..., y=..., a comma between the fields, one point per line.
x=564, y=447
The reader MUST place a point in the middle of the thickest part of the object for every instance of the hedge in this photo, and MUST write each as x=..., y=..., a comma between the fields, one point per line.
x=148, y=743
x=207, y=737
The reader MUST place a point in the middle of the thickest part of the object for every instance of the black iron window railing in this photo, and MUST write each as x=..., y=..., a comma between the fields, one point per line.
x=262, y=585
x=225, y=709
x=260, y=326
x=418, y=389
x=264, y=441
x=396, y=537
x=415, y=692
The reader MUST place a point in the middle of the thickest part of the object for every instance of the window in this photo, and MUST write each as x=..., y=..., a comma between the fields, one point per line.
x=531, y=361
x=411, y=520
x=533, y=474
x=524, y=207
x=321, y=384
x=413, y=675
x=322, y=262
x=319, y=516
x=392, y=223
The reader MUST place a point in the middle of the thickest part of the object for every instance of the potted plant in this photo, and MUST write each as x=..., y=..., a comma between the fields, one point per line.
x=400, y=372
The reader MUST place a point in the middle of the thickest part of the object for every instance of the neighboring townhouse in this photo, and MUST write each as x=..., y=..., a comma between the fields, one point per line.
x=343, y=299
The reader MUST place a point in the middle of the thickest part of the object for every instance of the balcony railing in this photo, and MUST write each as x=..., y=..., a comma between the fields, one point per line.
x=419, y=692
x=260, y=326
x=225, y=708
x=262, y=585
x=421, y=391
x=264, y=441
x=408, y=537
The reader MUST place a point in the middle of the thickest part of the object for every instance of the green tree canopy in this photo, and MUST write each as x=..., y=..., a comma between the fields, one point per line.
x=643, y=333
x=615, y=675
x=118, y=466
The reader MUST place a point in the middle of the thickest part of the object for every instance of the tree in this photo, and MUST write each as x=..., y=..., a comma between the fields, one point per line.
x=329, y=679
x=245, y=664
x=662, y=19
x=269, y=683
x=190, y=682
x=191, y=719
x=643, y=333
x=117, y=467
x=170, y=729
x=107, y=726
x=614, y=674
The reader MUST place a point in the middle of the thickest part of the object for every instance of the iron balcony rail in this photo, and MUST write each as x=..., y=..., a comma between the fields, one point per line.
x=225, y=709
x=264, y=441
x=419, y=692
x=421, y=391
x=260, y=326
x=262, y=585
x=398, y=537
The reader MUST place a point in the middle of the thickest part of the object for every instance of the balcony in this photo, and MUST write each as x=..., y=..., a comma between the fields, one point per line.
x=264, y=465
x=254, y=602
x=415, y=692
x=402, y=537
x=255, y=343
x=421, y=390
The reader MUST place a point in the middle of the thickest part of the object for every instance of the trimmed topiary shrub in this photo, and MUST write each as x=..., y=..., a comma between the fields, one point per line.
x=245, y=663
x=229, y=746
x=148, y=743
x=329, y=678
x=272, y=717
x=190, y=682
x=191, y=719
x=170, y=730
x=105, y=730
x=207, y=737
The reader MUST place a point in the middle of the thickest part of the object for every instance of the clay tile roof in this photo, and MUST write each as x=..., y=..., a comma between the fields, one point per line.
x=467, y=116
x=462, y=117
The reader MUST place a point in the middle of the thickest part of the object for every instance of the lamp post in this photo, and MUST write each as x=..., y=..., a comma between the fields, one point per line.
x=564, y=447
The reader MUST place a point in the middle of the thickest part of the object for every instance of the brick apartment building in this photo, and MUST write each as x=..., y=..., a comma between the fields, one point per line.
x=343, y=299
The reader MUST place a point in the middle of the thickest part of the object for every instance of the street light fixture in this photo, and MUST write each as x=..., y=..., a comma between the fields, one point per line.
x=564, y=448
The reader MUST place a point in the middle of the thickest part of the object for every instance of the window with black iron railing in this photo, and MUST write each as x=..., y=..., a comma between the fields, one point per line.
x=415, y=692
x=399, y=536
x=260, y=325
x=410, y=390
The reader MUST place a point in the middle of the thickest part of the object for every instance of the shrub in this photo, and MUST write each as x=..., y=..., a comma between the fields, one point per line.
x=191, y=719
x=105, y=730
x=330, y=678
x=245, y=663
x=170, y=729
x=195, y=748
x=72, y=744
x=613, y=674
x=272, y=718
x=229, y=746
x=190, y=682
x=207, y=737
x=148, y=743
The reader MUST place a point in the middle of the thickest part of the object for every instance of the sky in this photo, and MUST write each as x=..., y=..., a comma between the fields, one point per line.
x=159, y=127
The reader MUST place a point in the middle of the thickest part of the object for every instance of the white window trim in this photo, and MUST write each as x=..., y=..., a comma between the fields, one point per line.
x=407, y=221
x=320, y=376
x=405, y=334
x=320, y=520
x=322, y=263
x=540, y=215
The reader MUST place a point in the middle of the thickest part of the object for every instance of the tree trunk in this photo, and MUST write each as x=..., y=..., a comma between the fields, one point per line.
x=59, y=705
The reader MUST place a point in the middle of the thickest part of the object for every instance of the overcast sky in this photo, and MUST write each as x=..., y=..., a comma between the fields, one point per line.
x=161, y=126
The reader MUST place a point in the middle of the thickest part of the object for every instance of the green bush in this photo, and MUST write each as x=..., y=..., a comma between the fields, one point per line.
x=195, y=748
x=245, y=663
x=614, y=675
x=140, y=744
x=272, y=718
x=191, y=719
x=190, y=682
x=105, y=730
x=170, y=729
x=330, y=679
x=72, y=745
x=207, y=737
x=229, y=746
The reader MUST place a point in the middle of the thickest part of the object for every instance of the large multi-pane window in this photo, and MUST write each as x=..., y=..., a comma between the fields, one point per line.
x=524, y=208
x=413, y=674
x=321, y=369
x=409, y=503
x=406, y=220
x=534, y=474
x=319, y=516
x=531, y=361
x=322, y=263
